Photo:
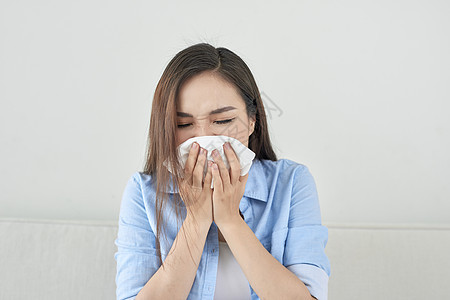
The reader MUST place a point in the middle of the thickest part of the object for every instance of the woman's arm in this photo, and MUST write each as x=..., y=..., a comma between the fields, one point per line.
x=176, y=279
x=267, y=276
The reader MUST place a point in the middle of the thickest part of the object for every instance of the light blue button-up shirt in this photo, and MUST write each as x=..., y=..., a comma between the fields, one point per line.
x=280, y=205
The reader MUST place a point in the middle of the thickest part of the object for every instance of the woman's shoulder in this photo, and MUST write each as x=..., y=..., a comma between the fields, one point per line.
x=282, y=171
x=282, y=165
x=140, y=177
x=144, y=181
x=143, y=177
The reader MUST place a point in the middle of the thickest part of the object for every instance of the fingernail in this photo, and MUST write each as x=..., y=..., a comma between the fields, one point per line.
x=194, y=145
x=227, y=145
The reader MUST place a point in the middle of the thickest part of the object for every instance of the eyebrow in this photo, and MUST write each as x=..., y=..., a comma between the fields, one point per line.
x=213, y=112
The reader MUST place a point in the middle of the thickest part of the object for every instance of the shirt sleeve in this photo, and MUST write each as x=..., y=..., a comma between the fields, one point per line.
x=136, y=254
x=304, y=253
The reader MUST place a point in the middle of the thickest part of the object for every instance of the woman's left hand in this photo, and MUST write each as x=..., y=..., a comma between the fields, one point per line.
x=229, y=187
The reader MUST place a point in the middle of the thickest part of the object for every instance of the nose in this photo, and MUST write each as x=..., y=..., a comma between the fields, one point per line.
x=203, y=130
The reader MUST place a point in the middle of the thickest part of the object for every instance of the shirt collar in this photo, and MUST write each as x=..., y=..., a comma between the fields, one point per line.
x=256, y=186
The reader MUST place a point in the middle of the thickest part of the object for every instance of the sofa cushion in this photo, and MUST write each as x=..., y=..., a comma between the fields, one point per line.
x=42, y=259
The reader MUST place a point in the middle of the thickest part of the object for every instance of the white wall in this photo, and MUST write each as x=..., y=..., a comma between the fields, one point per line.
x=362, y=90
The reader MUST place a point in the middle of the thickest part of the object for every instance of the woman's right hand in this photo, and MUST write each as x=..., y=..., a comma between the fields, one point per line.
x=196, y=193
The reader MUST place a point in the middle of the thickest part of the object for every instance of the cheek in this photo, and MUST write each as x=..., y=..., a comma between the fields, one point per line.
x=178, y=138
x=181, y=137
x=242, y=132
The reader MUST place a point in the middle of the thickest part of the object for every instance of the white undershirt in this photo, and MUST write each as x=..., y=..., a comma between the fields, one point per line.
x=231, y=282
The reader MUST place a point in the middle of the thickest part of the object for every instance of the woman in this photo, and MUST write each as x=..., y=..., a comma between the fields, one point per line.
x=267, y=223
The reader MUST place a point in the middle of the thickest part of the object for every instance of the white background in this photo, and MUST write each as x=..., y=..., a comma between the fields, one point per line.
x=362, y=90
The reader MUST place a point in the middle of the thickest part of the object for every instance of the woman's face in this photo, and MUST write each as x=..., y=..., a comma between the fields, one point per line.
x=209, y=105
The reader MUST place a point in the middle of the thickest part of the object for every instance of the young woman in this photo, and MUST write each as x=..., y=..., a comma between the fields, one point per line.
x=249, y=237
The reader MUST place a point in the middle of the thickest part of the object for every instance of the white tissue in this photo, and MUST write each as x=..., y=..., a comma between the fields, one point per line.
x=210, y=143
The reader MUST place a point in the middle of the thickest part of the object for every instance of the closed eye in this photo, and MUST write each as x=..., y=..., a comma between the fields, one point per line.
x=218, y=122
x=225, y=121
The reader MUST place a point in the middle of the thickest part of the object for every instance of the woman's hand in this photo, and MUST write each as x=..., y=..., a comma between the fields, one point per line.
x=229, y=187
x=196, y=194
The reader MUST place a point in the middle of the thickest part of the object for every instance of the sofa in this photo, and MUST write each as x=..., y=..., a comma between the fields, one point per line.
x=52, y=259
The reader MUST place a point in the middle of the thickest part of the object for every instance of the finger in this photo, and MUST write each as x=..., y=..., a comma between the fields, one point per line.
x=222, y=168
x=199, y=169
x=190, y=162
x=217, y=180
x=244, y=178
x=233, y=160
x=208, y=177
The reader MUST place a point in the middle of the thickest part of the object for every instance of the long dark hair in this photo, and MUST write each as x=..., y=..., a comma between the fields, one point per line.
x=161, y=144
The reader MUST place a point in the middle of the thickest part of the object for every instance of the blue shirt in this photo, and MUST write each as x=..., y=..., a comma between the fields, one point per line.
x=280, y=205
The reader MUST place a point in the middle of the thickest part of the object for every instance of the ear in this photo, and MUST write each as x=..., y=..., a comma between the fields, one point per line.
x=252, y=126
